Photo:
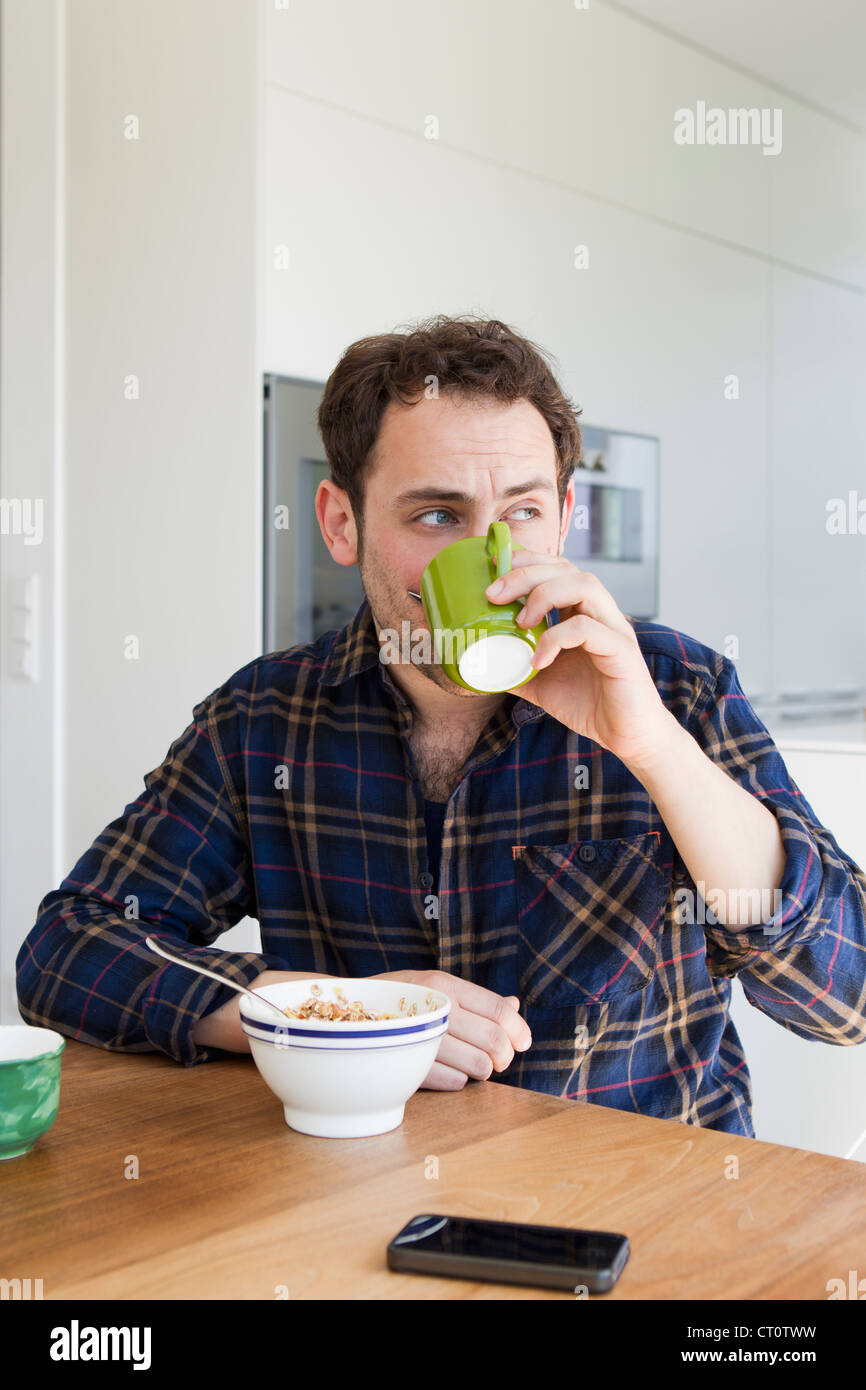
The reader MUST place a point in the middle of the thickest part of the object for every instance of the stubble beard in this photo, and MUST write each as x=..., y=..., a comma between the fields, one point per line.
x=391, y=606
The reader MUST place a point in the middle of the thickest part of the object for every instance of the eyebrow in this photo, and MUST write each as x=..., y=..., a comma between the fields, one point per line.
x=436, y=494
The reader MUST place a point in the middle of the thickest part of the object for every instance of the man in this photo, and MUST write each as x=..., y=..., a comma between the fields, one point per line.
x=599, y=828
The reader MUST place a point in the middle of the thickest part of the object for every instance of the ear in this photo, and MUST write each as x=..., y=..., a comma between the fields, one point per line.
x=567, y=509
x=337, y=522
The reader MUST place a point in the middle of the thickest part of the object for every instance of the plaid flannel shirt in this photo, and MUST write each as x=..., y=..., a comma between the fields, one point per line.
x=292, y=797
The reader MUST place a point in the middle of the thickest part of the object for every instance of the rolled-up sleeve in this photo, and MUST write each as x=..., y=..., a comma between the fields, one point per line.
x=806, y=965
x=176, y=866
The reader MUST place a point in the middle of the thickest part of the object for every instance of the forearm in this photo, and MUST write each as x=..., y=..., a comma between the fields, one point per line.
x=727, y=838
x=223, y=1029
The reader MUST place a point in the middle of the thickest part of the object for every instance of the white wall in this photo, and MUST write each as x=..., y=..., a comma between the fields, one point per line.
x=163, y=493
x=157, y=277
x=31, y=453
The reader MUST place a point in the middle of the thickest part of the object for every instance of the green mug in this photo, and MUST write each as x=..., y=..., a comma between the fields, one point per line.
x=478, y=643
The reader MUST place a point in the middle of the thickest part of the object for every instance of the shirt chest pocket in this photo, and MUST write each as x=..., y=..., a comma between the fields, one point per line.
x=589, y=919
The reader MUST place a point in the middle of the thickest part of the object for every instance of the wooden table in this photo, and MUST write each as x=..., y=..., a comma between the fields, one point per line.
x=231, y=1203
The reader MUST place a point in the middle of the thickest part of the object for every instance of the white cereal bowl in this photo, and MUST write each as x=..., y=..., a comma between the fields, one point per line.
x=346, y=1080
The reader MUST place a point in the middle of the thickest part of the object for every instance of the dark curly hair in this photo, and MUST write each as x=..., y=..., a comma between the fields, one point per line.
x=470, y=358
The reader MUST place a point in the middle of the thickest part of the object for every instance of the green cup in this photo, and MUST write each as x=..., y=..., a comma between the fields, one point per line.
x=29, y=1085
x=478, y=643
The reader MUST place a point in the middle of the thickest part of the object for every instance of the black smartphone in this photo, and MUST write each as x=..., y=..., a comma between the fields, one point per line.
x=510, y=1252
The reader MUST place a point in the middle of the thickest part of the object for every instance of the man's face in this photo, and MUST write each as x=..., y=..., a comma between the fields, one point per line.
x=442, y=472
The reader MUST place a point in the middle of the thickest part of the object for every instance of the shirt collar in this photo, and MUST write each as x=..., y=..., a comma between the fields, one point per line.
x=356, y=649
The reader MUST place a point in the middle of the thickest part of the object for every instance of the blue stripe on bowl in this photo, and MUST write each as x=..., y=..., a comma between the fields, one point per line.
x=281, y=1042
x=350, y=1033
x=352, y=1050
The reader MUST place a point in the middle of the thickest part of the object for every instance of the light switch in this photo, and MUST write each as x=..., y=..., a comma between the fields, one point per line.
x=24, y=628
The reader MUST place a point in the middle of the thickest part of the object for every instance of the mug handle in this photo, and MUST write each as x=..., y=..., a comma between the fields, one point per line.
x=498, y=546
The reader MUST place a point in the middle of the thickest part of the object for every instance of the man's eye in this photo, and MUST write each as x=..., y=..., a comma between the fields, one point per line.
x=442, y=511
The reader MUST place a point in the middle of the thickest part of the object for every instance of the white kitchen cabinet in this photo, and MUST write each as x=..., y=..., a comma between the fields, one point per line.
x=809, y=1094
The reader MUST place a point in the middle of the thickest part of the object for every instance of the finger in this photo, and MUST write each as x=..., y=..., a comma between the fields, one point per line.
x=488, y=1036
x=520, y=581
x=475, y=999
x=547, y=588
x=473, y=1058
x=609, y=650
x=529, y=557
x=443, y=1078
x=565, y=591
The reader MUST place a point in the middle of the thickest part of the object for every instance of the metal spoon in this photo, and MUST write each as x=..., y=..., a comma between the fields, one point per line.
x=223, y=980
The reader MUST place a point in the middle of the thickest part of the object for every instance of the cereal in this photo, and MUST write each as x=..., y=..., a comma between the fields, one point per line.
x=343, y=1012
x=335, y=1013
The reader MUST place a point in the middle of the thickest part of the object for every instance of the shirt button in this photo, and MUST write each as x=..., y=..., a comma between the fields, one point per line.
x=586, y=853
x=426, y=880
x=413, y=771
